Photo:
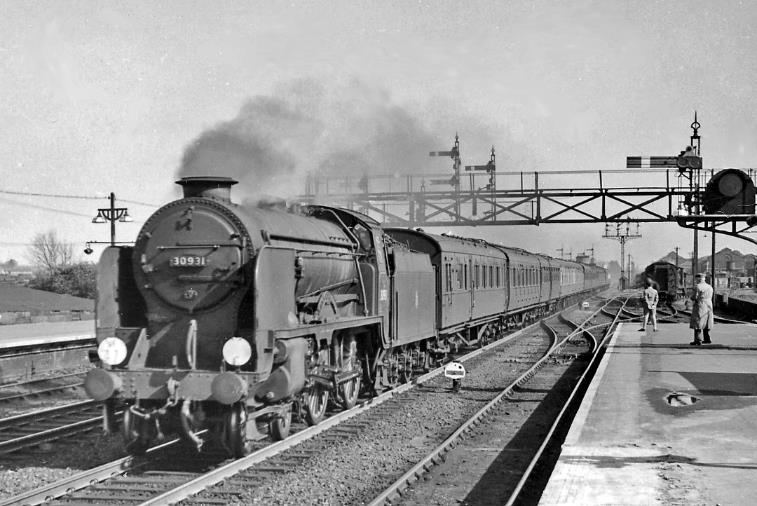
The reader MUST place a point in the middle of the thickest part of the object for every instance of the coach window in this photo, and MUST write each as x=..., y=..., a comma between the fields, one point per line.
x=460, y=276
x=478, y=279
x=498, y=285
x=465, y=275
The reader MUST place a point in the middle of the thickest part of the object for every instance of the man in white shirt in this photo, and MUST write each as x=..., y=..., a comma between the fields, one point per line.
x=649, y=299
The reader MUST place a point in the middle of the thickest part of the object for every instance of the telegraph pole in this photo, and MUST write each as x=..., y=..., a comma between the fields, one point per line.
x=621, y=232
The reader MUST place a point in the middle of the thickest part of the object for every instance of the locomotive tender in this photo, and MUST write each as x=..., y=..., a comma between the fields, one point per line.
x=670, y=280
x=229, y=318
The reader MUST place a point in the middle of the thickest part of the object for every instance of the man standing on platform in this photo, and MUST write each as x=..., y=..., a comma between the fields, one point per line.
x=702, y=316
x=649, y=299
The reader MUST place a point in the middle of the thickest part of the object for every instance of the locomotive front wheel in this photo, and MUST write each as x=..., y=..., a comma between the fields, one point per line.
x=280, y=424
x=135, y=433
x=236, y=431
x=110, y=421
x=316, y=398
x=346, y=355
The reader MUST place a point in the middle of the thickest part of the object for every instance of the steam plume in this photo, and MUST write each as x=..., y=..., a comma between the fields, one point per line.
x=276, y=140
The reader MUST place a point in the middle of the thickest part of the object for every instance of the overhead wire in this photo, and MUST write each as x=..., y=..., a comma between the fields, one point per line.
x=80, y=197
x=45, y=208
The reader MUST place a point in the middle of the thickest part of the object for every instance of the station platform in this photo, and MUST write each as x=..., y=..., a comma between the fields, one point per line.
x=39, y=334
x=664, y=422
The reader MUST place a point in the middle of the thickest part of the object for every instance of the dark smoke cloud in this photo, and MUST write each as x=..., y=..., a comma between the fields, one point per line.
x=256, y=147
x=308, y=127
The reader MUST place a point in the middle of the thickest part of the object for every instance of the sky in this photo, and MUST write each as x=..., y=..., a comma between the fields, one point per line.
x=125, y=97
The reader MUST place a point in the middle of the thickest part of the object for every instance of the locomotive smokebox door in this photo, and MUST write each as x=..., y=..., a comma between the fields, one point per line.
x=455, y=371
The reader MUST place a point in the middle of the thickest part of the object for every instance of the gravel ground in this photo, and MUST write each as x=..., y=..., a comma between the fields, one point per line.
x=487, y=465
x=27, y=470
x=405, y=432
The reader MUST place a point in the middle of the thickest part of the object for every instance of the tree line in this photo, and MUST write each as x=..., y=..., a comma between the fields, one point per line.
x=56, y=269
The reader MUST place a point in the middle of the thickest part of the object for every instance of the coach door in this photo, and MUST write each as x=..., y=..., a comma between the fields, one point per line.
x=472, y=281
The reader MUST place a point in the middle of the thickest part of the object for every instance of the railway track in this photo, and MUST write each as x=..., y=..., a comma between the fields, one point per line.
x=40, y=387
x=117, y=481
x=155, y=479
x=32, y=429
x=457, y=449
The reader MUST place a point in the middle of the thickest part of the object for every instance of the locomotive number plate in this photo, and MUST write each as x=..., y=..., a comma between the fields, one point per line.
x=187, y=261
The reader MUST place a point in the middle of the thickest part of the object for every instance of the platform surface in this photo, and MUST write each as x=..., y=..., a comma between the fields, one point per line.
x=47, y=332
x=638, y=438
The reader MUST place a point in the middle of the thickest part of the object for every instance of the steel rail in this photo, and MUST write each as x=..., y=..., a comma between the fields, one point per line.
x=49, y=390
x=417, y=470
x=86, y=478
x=561, y=415
x=45, y=416
x=22, y=384
x=54, y=411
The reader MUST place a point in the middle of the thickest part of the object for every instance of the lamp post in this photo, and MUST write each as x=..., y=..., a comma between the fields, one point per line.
x=112, y=214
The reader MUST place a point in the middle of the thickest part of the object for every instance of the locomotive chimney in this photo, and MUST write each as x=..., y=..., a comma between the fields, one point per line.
x=211, y=187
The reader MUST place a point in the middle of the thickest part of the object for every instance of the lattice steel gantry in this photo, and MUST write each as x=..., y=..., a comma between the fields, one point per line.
x=664, y=192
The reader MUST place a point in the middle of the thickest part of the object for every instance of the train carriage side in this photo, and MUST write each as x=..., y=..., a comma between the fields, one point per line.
x=598, y=277
x=544, y=279
x=589, y=275
x=554, y=280
x=569, y=279
x=471, y=277
x=524, y=285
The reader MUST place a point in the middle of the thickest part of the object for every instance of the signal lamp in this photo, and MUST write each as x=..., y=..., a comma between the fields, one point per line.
x=730, y=191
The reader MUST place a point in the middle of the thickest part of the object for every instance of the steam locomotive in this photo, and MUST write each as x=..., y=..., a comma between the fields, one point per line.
x=230, y=318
